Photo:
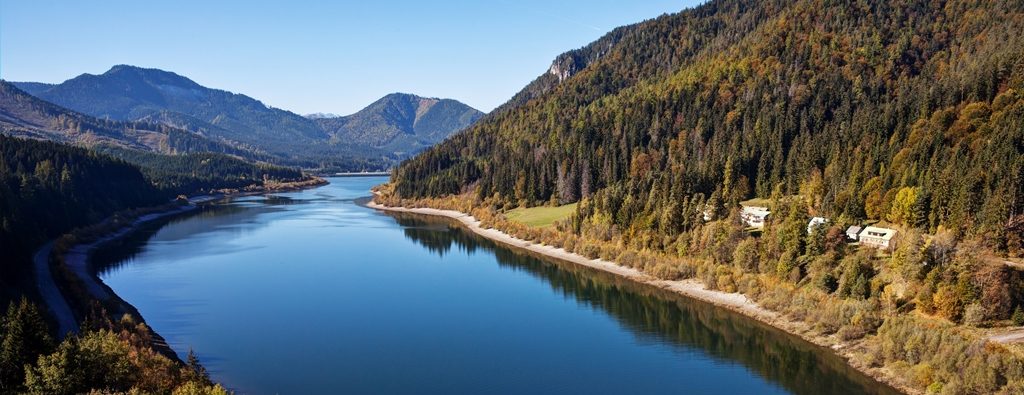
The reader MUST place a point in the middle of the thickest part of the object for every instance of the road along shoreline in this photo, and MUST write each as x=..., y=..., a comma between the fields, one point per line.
x=76, y=259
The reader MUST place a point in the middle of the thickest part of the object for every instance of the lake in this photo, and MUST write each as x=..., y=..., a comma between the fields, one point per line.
x=311, y=292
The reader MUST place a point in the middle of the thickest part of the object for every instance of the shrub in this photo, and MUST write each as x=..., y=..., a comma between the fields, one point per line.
x=665, y=271
x=724, y=279
x=746, y=255
x=863, y=322
x=922, y=375
x=974, y=315
x=590, y=250
x=628, y=258
x=1018, y=316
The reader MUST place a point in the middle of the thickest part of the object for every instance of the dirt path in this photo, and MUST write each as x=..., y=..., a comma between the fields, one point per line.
x=51, y=295
x=1013, y=336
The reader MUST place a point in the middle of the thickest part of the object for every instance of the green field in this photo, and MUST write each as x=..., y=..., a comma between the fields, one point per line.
x=538, y=217
x=760, y=202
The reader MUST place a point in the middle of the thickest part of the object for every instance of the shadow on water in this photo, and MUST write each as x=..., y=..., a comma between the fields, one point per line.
x=654, y=314
x=236, y=215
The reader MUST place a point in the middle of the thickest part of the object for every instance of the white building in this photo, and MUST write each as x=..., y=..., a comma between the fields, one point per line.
x=852, y=232
x=815, y=222
x=754, y=216
x=876, y=237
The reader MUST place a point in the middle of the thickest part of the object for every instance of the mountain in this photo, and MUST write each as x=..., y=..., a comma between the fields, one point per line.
x=33, y=88
x=362, y=141
x=128, y=93
x=736, y=99
x=69, y=169
x=24, y=115
x=402, y=123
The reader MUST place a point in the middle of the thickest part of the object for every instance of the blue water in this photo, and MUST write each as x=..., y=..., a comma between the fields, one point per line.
x=309, y=292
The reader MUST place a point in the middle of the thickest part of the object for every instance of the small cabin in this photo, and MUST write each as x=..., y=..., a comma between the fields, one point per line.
x=876, y=237
x=852, y=232
x=754, y=216
x=816, y=222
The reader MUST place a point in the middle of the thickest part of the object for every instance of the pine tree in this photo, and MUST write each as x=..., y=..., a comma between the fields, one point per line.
x=24, y=337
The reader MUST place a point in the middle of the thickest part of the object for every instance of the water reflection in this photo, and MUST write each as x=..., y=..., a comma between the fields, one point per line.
x=656, y=315
x=233, y=217
x=307, y=292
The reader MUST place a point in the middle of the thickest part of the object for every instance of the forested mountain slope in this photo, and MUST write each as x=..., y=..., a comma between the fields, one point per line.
x=402, y=123
x=128, y=93
x=24, y=115
x=47, y=189
x=905, y=114
x=843, y=103
x=372, y=139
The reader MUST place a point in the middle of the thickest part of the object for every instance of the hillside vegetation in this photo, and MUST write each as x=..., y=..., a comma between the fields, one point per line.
x=401, y=123
x=844, y=103
x=906, y=112
x=541, y=216
x=48, y=189
x=374, y=138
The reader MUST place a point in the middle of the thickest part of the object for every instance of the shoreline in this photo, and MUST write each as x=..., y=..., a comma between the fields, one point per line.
x=77, y=260
x=691, y=288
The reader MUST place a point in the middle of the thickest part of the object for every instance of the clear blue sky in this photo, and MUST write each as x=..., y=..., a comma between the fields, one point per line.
x=314, y=56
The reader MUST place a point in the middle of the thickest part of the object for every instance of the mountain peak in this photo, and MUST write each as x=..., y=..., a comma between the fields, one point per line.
x=119, y=68
x=149, y=75
x=403, y=122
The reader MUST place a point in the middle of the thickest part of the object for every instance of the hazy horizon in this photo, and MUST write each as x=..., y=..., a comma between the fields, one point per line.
x=314, y=58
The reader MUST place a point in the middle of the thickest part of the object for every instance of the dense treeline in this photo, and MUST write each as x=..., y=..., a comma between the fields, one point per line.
x=47, y=189
x=107, y=357
x=910, y=113
x=914, y=313
x=198, y=172
x=844, y=103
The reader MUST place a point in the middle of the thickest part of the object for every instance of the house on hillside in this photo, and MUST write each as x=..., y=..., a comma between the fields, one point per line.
x=754, y=216
x=815, y=222
x=876, y=237
x=708, y=212
x=852, y=232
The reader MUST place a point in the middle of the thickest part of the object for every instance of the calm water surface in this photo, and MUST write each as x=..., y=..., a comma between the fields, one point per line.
x=309, y=292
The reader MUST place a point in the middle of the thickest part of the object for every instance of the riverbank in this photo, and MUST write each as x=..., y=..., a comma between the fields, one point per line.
x=690, y=288
x=81, y=285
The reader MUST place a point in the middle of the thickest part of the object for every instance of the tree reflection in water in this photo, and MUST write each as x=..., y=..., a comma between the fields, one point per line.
x=656, y=315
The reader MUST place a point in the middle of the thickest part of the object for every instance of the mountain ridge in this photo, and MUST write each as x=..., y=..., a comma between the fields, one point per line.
x=131, y=93
x=24, y=115
x=403, y=122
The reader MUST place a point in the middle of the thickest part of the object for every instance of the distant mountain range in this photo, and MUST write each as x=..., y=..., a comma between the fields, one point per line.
x=387, y=131
x=24, y=115
x=402, y=123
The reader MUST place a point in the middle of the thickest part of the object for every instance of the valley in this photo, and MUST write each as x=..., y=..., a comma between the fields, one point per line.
x=728, y=196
